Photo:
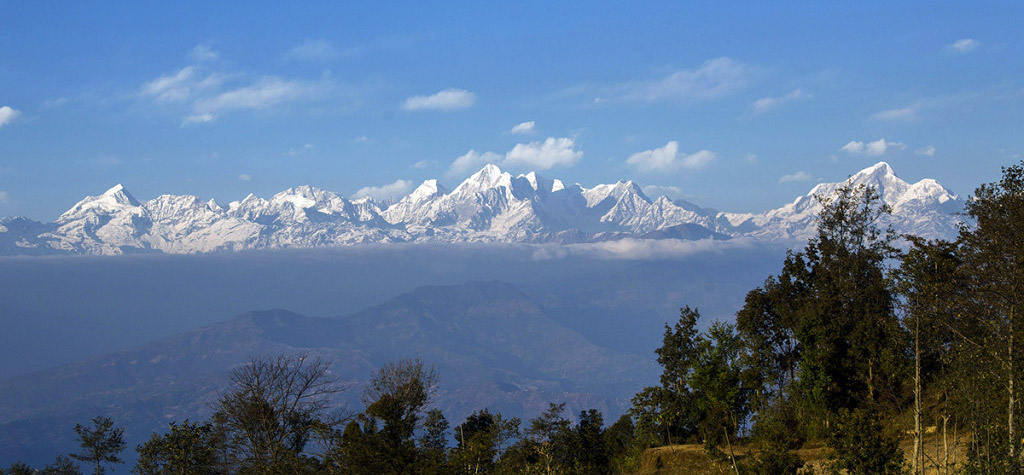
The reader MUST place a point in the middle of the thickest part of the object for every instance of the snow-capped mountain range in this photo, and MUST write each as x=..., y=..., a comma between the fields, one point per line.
x=489, y=206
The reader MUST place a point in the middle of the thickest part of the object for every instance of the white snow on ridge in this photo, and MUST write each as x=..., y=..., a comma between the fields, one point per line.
x=489, y=206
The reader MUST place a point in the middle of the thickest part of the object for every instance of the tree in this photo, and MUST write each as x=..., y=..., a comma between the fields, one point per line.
x=851, y=344
x=932, y=290
x=276, y=405
x=381, y=440
x=61, y=466
x=862, y=447
x=667, y=410
x=433, y=444
x=548, y=434
x=993, y=250
x=186, y=449
x=482, y=440
x=718, y=391
x=101, y=444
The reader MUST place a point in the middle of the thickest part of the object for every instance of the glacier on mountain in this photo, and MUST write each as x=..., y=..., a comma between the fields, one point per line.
x=489, y=206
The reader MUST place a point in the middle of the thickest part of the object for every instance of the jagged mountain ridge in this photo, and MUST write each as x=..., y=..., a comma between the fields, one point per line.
x=489, y=206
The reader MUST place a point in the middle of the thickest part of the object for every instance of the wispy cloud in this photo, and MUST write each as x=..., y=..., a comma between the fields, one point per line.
x=245, y=177
x=963, y=46
x=423, y=164
x=523, y=128
x=654, y=191
x=766, y=104
x=266, y=92
x=795, y=177
x=926, y=151
x=8, y=114
x=715, y=78
x=874, y=149
x=314, y=50
x=3, y=197
x=902, y=114
x=305, y=149
x=667, y=159
x=446, y=100
x=385, y=192
x=206, y=94
x=202, y=53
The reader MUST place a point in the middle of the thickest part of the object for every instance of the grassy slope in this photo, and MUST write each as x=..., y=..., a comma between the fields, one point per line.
x=691, y=458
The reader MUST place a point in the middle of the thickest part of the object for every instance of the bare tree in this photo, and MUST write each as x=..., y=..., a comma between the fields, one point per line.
x=276, y=405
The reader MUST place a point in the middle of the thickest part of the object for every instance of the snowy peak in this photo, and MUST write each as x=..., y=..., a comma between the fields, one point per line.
x=489, y=206
x=617, y=191
x=112, y=201
x=490, y=176
x=427, y=190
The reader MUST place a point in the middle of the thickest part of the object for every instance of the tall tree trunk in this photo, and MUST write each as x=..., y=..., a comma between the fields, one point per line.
x=917, y=396
x=1013, y=400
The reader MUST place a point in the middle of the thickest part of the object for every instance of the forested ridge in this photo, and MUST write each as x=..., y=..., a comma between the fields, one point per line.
x=862, y=338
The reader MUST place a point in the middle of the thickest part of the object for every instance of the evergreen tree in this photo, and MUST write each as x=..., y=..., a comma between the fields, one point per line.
x=101, y=443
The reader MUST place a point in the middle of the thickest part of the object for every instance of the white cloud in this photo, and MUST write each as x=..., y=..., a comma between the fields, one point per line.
x=446, y=100
x=901, y=114
x=245, y=177
x=523, y=128
x=963, y=46
x=550, y=153
x=171, y=87
x=422, y=164
x=874, y=149
x=793, y=177
x=7, y=115
x=668, y=159
x=197, y=119
x=715, y=78
x=471, y=161
x=654, y=191
x=384, y=192
x=3, y=197
x=266, y=92
x=927, y=151
x=314, y=50
x=203, y=53
x=766, y=104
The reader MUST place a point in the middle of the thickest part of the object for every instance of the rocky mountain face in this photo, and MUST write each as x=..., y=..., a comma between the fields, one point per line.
x=489, y=206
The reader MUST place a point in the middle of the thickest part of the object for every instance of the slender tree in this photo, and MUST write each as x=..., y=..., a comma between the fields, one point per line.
x=993, y=249
x=101, y=443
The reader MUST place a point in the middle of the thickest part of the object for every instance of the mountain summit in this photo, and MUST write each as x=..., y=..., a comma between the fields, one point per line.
x=489, y=206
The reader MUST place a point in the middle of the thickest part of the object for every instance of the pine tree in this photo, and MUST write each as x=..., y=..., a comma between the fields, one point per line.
x=101, y=443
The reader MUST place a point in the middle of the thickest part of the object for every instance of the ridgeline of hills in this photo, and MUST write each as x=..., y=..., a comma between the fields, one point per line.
x=492, y=345
x=489, y=206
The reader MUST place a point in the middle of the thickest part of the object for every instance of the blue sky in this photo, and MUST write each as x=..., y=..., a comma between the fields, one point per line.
x=739, y=106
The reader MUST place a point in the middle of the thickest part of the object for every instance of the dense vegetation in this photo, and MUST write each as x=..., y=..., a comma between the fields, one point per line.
x=854, y=344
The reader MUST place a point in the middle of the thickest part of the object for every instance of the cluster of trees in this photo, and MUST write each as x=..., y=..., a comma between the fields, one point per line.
x=862, y=338
x=856, y=342
x=277, y=418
